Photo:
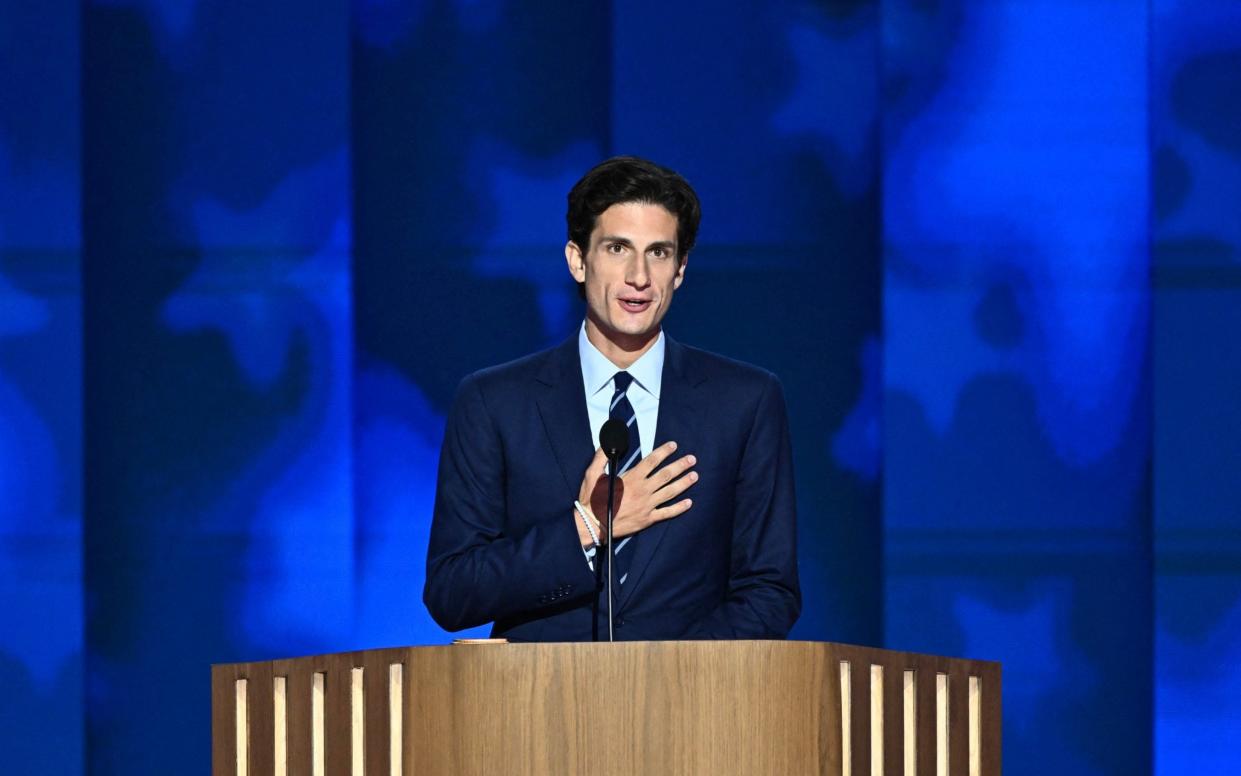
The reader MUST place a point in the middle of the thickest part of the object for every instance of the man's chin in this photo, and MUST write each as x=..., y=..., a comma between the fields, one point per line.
x=638, y=329
x=629, y=335
x=633, y=336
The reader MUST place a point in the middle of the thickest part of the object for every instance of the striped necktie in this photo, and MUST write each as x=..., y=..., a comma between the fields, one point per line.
x=622, y=410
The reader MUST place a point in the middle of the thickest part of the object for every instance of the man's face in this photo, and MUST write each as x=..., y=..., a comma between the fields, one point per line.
x=630, y=270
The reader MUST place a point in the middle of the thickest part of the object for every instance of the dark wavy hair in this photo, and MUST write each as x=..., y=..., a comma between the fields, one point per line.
x=631, y=179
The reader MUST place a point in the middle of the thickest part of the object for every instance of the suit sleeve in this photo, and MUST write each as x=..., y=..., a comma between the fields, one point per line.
x=478, y=570
x=764, y=595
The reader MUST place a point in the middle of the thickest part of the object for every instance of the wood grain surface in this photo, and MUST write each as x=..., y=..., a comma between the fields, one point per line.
x=743, y=707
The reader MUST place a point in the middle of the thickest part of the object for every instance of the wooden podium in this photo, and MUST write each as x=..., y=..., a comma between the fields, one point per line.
x=739, y=707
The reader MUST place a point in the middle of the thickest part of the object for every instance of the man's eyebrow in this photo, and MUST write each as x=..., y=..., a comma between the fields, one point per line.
x=668, y=245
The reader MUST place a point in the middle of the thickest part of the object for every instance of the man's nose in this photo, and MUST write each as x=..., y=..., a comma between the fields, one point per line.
x=638, y=274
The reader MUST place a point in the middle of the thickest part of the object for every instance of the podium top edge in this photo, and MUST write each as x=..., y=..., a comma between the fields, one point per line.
x=871, y=654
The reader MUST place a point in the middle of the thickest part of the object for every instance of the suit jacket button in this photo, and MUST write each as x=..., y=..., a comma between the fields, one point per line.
x=620, y=623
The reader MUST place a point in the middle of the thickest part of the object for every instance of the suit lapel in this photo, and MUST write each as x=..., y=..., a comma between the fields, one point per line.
x=562, y=408
x=679, y=417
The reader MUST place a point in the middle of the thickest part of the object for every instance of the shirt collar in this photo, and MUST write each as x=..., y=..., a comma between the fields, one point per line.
x=597, y=370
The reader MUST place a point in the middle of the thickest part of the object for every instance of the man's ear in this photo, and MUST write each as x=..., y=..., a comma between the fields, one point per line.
x=680, y=276
x=576, y=261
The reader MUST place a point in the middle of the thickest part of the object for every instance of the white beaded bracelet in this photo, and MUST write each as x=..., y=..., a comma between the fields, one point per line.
x=590, y=529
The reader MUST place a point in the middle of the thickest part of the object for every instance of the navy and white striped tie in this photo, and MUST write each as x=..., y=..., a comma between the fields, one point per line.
x=623, y=411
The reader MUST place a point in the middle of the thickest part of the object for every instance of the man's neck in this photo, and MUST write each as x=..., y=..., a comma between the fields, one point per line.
x=620, y=350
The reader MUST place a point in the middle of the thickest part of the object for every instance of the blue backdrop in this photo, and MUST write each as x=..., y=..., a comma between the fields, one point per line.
x=992, y=247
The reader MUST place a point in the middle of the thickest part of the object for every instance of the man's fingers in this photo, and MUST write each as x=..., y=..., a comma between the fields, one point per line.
x=677, y=487
x=672, y=510
x=674, y=470
x=657, y=456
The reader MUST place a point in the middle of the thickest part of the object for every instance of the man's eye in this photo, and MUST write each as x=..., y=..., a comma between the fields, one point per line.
x=616, y=248
x=660, y=253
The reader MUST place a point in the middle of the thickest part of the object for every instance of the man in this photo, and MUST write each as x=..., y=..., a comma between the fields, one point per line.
x=705, y=525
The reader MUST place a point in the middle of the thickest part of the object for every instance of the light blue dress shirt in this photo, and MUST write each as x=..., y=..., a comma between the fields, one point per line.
x=643, y=394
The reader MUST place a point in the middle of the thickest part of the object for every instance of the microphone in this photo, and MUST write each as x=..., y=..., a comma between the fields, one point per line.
x=614, y=441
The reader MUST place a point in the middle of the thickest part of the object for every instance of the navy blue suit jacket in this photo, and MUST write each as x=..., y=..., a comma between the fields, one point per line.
x=504, y=547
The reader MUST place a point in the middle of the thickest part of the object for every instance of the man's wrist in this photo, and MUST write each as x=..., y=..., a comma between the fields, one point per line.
x=587, y=520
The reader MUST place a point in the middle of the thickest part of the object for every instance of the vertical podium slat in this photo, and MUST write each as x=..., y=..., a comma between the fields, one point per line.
x=280, y=725
x=829, y=711
x=942, y=730
x=909, y=720
x=318, y=722
x=241, y=726
x=877, y=729
x=398, y=753
x=846, y=718
x=357, y=721
x=975, y=724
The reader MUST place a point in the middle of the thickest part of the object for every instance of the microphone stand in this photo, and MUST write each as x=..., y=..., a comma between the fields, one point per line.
x=613, y=463
x=614, y=441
